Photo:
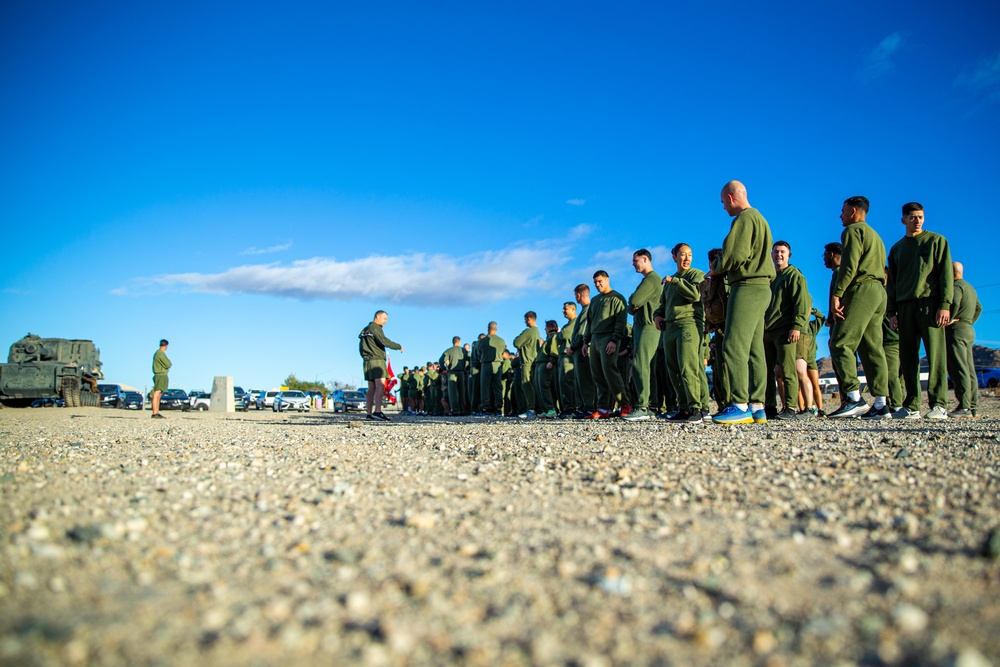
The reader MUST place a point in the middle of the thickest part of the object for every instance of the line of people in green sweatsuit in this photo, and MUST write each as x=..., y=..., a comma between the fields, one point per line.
x=750, y=318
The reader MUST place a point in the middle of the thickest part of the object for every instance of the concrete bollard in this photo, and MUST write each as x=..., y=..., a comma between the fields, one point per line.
x=222, y=394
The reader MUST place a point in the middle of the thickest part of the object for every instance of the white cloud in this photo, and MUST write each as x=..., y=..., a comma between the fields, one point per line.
x=418, y=278
x=576, y=202
x=879, y=62
x=983, y=78
x=581, y=231
x=265, y=251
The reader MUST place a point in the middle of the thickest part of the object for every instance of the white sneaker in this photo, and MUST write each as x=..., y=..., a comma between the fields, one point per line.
x=937, y=412
x=905, y=413
x=530, y=414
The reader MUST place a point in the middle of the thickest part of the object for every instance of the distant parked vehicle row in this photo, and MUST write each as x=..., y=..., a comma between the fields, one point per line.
x=346, y=401
x=112, y=396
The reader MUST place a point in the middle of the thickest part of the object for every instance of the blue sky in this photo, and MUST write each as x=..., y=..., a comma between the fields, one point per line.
x=252, y=181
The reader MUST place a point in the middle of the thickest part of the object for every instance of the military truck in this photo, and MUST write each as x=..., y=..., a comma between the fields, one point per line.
x=51, y=368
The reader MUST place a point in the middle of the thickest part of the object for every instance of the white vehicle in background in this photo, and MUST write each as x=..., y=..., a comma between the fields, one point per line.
x=290, y=400
x=203, y=401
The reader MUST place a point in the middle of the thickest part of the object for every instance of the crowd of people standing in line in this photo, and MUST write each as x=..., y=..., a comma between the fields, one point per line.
x=750, y=318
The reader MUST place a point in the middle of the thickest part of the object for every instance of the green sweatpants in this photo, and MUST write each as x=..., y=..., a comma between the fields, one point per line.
x=645, y=340
x=584, y=377
x=456, y=383
x=567, y=384
x=779, y=352
x=705, y=393
x=517, y=392
x=682, y=353
x=547, y=387
x=720, y=379
x=961, y=365
x=528, y=387
x=917, y=322
x=607, y=377
x=491, y=387
x=860, y=333
x=475, y=389
x=895, y=381
x=743, y=344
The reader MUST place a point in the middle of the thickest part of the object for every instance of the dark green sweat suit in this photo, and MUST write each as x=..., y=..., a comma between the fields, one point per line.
x=860, y=286
x=965, y=310
x=746, y=262
x=921, y=282
x=645, y=336
x=788, y=310
x=683, y=320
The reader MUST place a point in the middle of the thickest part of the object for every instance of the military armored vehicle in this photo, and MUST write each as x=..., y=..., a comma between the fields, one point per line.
x=51, y=368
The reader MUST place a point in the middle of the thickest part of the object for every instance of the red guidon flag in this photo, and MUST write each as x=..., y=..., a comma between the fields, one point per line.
x=392, y=377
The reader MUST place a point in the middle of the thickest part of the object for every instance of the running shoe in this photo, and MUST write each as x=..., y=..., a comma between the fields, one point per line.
x=638, y=415
x=382, y=416
x=760, y=416
x=878, y=413
x=850, y=409
x=551, y=414
x=626, y=410
x=937, y=412
x=528, y=414
x=905, y=413
x=787, y=415
x=733, y=415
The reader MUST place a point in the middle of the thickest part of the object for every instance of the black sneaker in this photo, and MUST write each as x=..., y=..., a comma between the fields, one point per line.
x=686, y=417
x=771, y=413
x=381, y=415
x=878, y=413
x=787, y=415
x=850, y=409
x=158, y=416
x=371, y=418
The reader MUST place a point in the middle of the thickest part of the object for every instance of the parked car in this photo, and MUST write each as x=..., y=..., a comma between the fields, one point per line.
x=346, y=401
x=112, y=396
x=203, y=402
x=266, y=399
x=133, y=400
x=988, y=377
x=290, y=400
x=175, y=399
x=48, y=403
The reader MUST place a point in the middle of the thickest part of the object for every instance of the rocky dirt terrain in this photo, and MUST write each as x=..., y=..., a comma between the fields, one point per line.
x=266, y=539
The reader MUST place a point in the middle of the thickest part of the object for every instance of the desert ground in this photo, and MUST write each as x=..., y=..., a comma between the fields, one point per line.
x=318, y=538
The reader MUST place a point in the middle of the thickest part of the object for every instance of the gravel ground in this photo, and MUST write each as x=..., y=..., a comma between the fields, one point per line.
x=266, y=539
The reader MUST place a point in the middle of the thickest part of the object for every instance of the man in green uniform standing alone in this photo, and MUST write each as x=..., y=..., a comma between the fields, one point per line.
x=786, y=318
x=746, y=263
x=857, y=304
x=965, y=310
x=491, y=359
x=645, y=335
x=920, y=291
x=453, y=366
x=371, y=344
x=527, y=344
x=161, y=366
x=607, y=328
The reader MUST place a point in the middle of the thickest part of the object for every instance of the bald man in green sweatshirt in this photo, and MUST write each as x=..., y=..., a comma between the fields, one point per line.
x=965, y=310
x=920, y=292
x=746, y=263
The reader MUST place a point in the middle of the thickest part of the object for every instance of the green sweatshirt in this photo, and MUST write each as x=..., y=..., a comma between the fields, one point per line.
x=966, y=307
x=566, y=335
x=645, y=299
x=491, y=349
x=372, y=343
x=453, y=359
x=746, y=252
x=607, y=316
x=681, y=298
x=550, y=349
x=790, y=302
x=816, y=325
x=581, y=328
x=862, y=258
x=160, y=363
x=920, y=267
x=527, y=343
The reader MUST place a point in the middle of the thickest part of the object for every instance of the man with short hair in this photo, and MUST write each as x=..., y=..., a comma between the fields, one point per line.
x=746, y=263
x=161, y=381
x=567, y=369
x=965, y=310
x=857, y=305
x=371, y=344
x=491, y=378
x=787, y=316
x=607, y=327
x=920, y=291
x=584, y=374
x=527, y=343
x=645, y=334
x=452, y=364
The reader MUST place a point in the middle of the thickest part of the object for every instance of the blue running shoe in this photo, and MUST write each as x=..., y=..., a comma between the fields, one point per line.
x=733, y=415
x=760, y=416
